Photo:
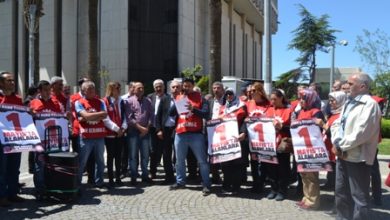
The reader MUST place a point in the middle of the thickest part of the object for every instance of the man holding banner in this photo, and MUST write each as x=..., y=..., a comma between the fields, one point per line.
x=9, y=163
x=44, y=108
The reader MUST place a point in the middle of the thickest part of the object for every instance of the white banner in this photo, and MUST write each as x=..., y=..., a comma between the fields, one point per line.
x=43, y=121
x=223, y=143
x=17, y=130
x=262, y=139
x=309, y=149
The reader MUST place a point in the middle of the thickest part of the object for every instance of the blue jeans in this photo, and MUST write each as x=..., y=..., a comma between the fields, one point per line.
x=87, y=146
x=138, y=144
x=9, y=173
x=196, y=142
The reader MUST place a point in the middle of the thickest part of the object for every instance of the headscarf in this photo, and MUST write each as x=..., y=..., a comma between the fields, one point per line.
x=311, y=98
x=234, y=104
x=340, y=98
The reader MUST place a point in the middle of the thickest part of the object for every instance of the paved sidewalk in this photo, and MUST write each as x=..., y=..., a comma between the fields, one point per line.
x=157, y=202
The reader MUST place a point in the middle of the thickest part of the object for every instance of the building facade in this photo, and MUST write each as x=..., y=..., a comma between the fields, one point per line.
x=137, y=40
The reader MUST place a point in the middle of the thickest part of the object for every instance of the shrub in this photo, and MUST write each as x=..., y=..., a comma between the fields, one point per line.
x=385, y=128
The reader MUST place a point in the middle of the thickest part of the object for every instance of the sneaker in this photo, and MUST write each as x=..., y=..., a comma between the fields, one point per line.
x=147, y=180
x=331, y=213
x=206, y=191
x=271, y=195
x=133, y=181
x=279, y=197
x=176, y=186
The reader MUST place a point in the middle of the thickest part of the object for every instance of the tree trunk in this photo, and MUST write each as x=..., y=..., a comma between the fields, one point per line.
x=36, y=58
x=215, y=13
x=313, y=69
x=93, y=71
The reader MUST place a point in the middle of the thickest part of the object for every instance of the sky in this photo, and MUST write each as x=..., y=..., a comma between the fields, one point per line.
x=350, y=17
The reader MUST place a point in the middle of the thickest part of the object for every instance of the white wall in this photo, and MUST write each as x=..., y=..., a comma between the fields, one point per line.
x=114, y=40
x=46, y=42
x=238, y=47
x=225, y=43
x=69, y=42
x=5, y=35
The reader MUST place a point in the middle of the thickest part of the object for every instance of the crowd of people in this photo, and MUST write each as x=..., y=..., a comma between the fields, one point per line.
x=139, y=130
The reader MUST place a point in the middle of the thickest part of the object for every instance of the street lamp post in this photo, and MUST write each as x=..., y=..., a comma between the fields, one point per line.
x=333, y=47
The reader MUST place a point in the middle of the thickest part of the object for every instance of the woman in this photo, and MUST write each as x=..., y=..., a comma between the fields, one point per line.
x=116, y=125
x=310, y=109
x=336, y=103
x=232, y=170
x=279, y=174
x=258, y=106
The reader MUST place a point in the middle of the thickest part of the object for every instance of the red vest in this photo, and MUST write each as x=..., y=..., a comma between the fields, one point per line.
x=112, y=114
x=307, y=114
x=75, y=121
x=255, y=110
x=240, y=114
x=41, y=106
x=282, y=115
x=328, y=141
x=190, y=122
x=11, y=99
x=92, y=129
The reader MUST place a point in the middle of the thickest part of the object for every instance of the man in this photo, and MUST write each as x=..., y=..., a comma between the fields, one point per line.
x=75, y=134
x=9, y=163
x=92, y=112
x=355, y=147
x=336, y=85
x=57, y=89
x=165, y=128
x=157, y=147
x=125, y=152
x=189, y=135
x=139, y=115
x=44, y=103
x=214, y=105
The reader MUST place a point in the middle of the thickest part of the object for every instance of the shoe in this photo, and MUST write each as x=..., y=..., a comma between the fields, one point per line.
x=176, y=186
x=331, y=213
x=206, y=191
x=133, y=181
x=279, y=197
x=119, y=182
x=147, y=180
x=102, y=186
x=299, y=203
x=16, y=198
x=271, y=195
x=305, y=207
x=4, y=202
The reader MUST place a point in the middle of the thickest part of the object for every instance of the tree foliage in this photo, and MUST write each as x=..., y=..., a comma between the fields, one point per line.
x=289, y=82
x=311, y=35
x=374, y=49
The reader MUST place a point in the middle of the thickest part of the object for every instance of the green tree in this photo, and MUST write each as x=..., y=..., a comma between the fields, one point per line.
x=289, y=82
x=215, y=9
x=312, y=34
x=374, y=50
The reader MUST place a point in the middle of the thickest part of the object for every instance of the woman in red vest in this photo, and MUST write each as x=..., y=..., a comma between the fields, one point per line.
x=310, y=109
x=279, y=173
x=115, y=126
x=258, y=106
x=232, y=170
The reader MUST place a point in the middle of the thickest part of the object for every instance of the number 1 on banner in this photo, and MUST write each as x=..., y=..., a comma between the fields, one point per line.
x=304, y=132
x=221, y=131
x=259, y=130
x=14, y=118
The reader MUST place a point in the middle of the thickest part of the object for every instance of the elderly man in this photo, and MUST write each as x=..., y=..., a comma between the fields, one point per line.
x=157, y=147
x=92, y=112
x=355, y=145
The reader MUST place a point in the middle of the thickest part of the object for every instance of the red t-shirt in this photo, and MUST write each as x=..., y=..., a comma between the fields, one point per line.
x=39, y=105
x=11, y=99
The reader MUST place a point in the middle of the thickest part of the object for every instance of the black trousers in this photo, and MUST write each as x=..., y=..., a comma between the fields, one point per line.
x=162, y=148
x=114, y=148
x=376, y=181
x=232, y=173
x=125, y=157
x=352, y=190
x=279, y=174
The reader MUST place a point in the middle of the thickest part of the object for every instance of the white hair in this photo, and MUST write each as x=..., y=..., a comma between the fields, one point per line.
x=158, y=82
x=87, y=84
